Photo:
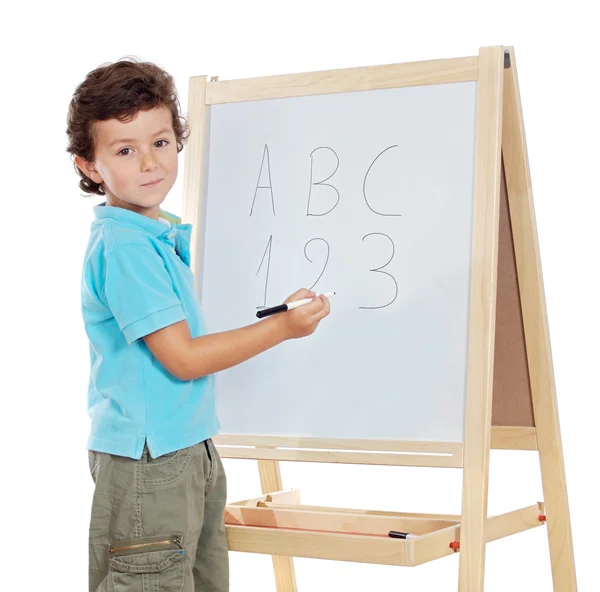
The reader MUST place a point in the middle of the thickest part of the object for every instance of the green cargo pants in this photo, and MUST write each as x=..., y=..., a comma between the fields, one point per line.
x=157, y=524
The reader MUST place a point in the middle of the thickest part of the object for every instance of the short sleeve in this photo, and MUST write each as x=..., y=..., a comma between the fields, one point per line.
x=139, y=291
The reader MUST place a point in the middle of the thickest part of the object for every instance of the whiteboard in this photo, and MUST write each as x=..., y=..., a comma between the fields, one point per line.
x=368, y=194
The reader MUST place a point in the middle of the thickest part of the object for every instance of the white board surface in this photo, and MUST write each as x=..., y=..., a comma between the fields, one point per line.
x=368, y=194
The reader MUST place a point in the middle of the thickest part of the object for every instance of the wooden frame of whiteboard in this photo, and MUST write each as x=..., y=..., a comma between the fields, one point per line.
x=501, y=158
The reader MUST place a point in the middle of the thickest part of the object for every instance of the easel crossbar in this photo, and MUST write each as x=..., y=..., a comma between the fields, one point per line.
x=373, y=452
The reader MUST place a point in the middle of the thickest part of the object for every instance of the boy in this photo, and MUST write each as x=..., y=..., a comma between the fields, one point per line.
x=160, y=490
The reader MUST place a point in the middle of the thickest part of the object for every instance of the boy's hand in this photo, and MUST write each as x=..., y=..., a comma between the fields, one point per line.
x=302, y=321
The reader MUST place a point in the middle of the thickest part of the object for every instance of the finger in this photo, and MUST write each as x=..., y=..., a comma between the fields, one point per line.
x=313, y=307
x=324, y=310
x=317, y=318
x=299, y=294
x=320, y=315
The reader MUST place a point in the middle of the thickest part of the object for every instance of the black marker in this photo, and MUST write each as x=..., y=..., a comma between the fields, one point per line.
x=265, y=312
x=400, y=535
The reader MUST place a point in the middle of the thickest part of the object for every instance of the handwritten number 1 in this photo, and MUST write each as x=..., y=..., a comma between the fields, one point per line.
x=269, y=249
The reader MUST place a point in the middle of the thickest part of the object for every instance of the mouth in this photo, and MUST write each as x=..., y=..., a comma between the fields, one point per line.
x=152, y=184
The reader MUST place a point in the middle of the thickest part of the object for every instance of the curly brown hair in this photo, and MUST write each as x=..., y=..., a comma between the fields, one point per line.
x=119, y=90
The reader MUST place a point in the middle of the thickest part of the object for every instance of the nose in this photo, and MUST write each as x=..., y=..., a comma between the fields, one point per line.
x=148, y=162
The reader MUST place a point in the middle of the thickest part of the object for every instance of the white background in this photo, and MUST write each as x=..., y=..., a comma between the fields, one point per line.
x=47, y=49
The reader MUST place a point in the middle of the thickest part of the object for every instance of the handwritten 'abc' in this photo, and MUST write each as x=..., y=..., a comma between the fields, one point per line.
x=266, y=160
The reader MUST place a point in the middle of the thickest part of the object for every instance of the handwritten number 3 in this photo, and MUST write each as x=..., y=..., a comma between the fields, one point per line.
x=379, y=270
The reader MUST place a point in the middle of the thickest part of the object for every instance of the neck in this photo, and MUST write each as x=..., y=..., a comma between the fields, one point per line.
x=151, y=212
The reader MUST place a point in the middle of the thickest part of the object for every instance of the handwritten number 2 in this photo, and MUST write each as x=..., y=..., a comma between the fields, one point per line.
x=326, y=259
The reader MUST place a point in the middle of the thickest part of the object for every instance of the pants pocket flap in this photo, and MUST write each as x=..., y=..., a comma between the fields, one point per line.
x=149, y=554
x=147, y=562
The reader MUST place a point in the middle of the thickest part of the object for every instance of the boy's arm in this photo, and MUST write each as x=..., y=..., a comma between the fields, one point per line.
x=188, y=358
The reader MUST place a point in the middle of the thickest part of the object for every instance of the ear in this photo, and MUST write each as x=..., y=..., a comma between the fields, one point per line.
x=88, y=169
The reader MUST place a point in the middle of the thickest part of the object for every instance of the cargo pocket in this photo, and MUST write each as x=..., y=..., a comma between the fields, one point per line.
x=147, y=563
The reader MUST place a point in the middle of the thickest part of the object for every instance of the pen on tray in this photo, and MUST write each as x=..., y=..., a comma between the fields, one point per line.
x=400, y=535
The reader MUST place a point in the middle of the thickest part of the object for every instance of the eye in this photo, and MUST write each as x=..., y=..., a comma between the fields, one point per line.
x=159, y=141
x=123, y=150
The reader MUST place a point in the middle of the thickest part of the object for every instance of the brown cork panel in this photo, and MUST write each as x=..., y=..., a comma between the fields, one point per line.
x=512, y=393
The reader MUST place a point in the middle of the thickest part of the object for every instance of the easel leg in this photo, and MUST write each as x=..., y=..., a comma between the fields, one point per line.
x=270, y=481
x=556, y=505
x=535, y=323
x=482, y=324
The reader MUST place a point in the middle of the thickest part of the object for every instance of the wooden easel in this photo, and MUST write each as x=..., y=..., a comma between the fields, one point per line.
x=511, y=398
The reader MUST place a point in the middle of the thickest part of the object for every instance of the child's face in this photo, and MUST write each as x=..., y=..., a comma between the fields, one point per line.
x=130, y=155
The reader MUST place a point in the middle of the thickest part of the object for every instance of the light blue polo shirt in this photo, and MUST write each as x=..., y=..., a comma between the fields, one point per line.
x=136, y=280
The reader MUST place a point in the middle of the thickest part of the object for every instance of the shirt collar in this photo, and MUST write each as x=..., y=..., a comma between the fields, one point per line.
x=175, y=234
